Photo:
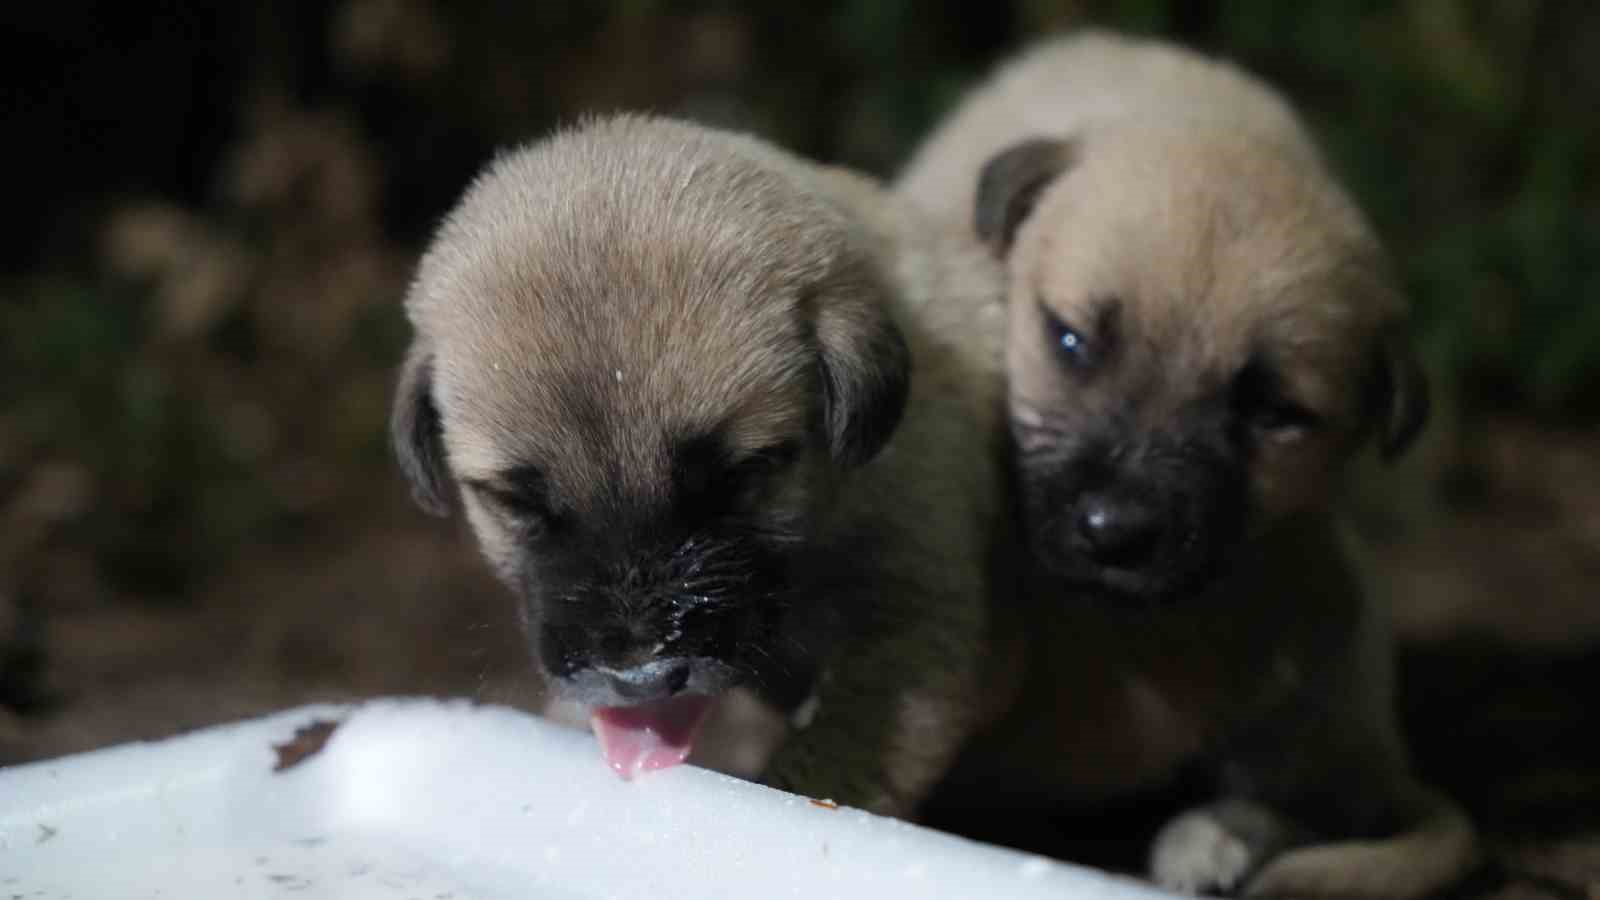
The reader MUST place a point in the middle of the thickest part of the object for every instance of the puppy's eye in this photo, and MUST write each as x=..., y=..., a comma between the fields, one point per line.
x=516, y=505
x=768, y=460
x=1259, y=399
x=1069, y=344
x=520, y=497
x=710, y=479
x=1284, y=416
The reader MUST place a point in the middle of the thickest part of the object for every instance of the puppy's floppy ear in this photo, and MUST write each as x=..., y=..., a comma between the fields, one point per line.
x=1399, y=392
x=864, y=363
x=1011, y=182
x=414, y=431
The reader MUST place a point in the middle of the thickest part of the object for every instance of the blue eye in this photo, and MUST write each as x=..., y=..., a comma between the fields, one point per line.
x=1071, y=345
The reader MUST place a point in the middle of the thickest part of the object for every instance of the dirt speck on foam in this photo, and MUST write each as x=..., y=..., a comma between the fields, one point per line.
x=307, y=741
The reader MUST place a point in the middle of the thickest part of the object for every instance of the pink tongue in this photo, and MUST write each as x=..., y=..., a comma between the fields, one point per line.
x=649, y=736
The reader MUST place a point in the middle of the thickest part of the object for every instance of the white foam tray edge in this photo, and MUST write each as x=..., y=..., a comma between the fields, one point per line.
x=454, y=801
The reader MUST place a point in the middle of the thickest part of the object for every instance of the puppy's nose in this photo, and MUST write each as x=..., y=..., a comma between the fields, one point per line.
x=654, y=680
x=1118, y=533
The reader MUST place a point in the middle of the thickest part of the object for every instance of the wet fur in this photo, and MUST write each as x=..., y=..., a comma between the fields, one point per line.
x=1173, y=210
x=616, y=328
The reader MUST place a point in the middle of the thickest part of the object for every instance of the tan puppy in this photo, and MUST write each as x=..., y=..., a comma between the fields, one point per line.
x=1203, y=329
x=707, y=419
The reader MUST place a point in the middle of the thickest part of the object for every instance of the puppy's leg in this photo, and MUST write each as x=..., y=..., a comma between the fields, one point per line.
x=1437, y=846
x=1412, y=840
x=1386, y=834
x=1330, y=806
x=889, y=719
x=1237, y=844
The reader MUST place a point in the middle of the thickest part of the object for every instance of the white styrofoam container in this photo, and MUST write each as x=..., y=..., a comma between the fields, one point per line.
x=452, y=801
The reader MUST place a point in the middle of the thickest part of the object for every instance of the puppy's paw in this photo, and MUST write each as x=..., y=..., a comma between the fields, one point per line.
x=1196, y=853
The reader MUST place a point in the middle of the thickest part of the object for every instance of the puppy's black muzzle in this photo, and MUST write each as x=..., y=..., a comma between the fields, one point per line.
x=623, y=634
x=1148, y=524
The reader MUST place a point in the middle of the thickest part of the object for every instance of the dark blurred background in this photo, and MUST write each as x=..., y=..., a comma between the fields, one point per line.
x=215, y=207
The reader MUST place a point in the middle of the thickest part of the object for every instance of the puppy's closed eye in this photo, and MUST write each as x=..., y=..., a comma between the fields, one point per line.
x=710, y=480
x=521, y=496
x=1259, y=399
x=761, y=464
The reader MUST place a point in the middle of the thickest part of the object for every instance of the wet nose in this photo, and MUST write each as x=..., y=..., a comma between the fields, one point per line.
x=1118, y=532
x=654, y=680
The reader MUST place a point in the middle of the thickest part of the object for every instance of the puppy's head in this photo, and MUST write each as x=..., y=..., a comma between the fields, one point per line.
x=645, y=355
x=1202, y=331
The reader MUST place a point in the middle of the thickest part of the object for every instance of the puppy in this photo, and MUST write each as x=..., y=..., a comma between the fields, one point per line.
x=709, y=417
x=1203, y=329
